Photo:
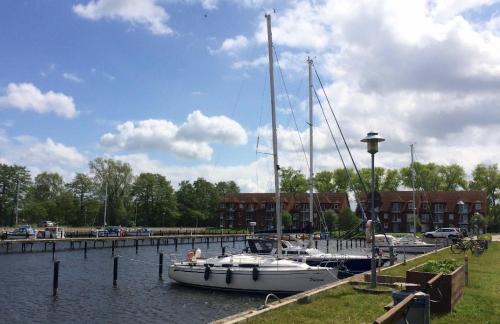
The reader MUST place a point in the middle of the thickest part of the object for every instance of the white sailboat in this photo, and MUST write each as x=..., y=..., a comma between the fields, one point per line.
x=247, y=272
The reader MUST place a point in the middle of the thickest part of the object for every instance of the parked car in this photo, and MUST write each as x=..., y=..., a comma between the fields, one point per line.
x=445, y=232
x=46, y=224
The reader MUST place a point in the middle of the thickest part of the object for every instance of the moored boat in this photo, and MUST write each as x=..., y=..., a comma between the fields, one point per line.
x=406, y=244
x=50, y=232
x=250, y=273
x=22, y=232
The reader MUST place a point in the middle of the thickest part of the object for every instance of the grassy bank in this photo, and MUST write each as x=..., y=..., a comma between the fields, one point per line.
x=345, y=305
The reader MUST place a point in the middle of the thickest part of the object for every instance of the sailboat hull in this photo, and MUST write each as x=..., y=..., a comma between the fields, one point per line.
x=243, y=279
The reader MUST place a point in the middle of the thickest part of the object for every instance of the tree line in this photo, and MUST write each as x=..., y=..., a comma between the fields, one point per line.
x=425, y=177
x=144, y=200
x=150, y=200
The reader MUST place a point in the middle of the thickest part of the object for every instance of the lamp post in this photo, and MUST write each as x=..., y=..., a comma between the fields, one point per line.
x=372, y=139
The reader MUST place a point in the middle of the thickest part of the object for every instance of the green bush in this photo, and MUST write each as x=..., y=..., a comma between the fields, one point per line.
x=445, y=266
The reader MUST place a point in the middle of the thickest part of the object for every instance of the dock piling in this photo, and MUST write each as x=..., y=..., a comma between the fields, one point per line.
x=157, y=245
x=136, y=246
x=112, y=248
x=175, y=242
x=55, y=281
x=160, y=267
x=85, y=250
x=53, y=250
x=115, y=271
x=327, y=245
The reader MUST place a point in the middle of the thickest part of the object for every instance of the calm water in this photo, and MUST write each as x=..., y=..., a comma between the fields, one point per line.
x=86, y=293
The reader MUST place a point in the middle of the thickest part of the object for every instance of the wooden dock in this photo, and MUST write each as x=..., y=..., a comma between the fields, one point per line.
x=73, y=243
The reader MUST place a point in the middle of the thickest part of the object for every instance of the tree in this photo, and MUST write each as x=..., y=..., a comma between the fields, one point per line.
x=331, y=218
x=83, y=189
x=286, y=218
x=293, y=180
x=453, y=177
x=198, y=202
x=15, y=182
x=227, y=187
x=427, y=177
x=324, y=181
x=117, y=177
x=487, y=178
x=391, y=180
x=155, y=201
x=347, y=220
x=366, y=176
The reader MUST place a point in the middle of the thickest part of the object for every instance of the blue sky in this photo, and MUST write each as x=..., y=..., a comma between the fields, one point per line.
x=180, y=88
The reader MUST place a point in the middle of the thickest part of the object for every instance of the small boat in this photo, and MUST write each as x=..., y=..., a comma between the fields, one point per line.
x=117, y=231
x=139, y=232
x=51, y=232
x=249, y=273
x=405, y=244
x=347, y=264
x=23, y=232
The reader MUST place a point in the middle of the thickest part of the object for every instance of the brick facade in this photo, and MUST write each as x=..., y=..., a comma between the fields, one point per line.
x=238, y=210
x=433, y=209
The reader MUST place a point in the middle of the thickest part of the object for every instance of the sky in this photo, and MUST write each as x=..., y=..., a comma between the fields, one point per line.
x=180, y=87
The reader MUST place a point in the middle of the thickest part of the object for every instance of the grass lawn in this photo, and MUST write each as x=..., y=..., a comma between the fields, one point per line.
x=480, y=303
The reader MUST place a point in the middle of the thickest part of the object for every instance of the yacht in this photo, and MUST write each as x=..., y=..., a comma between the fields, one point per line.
x=23, y=232
x=247, y=272
x=405, y=244
x=347, y=264
x=250, y=273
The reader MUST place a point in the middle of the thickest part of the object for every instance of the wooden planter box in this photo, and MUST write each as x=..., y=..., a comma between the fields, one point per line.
x=451, y=287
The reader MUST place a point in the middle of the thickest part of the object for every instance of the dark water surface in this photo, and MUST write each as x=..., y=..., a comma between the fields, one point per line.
x=86, y=293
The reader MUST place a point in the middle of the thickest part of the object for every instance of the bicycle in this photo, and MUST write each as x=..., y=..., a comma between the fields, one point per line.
x=460, y=246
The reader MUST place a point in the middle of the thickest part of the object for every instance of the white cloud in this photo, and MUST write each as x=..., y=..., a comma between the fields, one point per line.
x=39, y=156
x=232, y=45
x=199, y=127
x=252, y=177
x=72, y=77
x=52, y=153
x=190, y=140
x=244, y=64
x=144, y=12
x=26, y=96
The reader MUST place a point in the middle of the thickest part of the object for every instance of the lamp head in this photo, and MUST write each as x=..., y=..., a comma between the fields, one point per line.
x=372, y=139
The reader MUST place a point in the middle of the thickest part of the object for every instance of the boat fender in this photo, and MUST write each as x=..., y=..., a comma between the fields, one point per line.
x=229, y=274
x=255, y=273
x=207, y=272
x=368, y=231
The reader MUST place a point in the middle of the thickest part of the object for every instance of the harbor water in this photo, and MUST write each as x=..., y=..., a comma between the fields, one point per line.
x=86, y=293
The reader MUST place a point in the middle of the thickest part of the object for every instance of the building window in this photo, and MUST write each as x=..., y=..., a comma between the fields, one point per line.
x=386, y=216
x=439, y=208
x=396, y=207
x=424, y=218
x=477, y=206
x=450, y=216
x=411, y=206
x=425, y=206
x=463, y=209
x=396, y=218
x=439, y=218
x=336, y=206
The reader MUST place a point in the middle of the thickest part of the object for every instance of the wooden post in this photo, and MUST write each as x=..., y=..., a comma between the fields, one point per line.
x=55, y=281
x=85, y=250
x=136, y=246
x=160, y=267
x=340, y=244
x=115, y=270
x=466, y=266
x=112, y=248
x=316, y=244
x=327, y=245
x=53, y=250
x=234, y=240
x=221, y=241
x=337, y=245
x=157, y=245
x=208, y=242
x=223, y=250
x=192, y=243
x=175, y=242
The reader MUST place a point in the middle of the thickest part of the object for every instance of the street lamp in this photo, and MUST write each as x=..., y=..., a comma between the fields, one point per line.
x=372, y=139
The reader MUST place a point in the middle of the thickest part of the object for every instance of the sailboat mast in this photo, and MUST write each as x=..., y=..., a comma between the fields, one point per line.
x=105, y=204
x=311, y=178
x=413, y=190
x=275, y=137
